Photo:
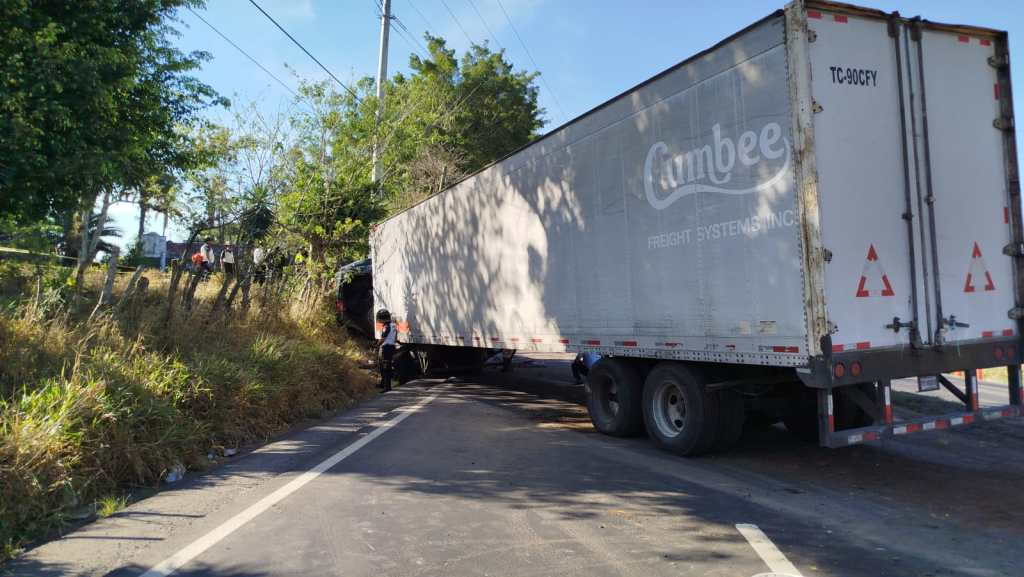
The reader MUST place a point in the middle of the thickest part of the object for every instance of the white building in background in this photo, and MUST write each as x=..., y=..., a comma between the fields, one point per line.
x=153, y=245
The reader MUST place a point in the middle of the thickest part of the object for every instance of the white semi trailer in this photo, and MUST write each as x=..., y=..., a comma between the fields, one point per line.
x=775, y=228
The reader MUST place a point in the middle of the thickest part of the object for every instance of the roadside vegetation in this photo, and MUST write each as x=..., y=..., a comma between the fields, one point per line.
x=92, y=408
x=112, y=380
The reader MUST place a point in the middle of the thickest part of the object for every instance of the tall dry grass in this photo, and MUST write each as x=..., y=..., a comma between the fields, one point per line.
x=91, y=407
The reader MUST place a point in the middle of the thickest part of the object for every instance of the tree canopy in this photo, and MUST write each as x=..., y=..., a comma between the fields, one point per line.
x=93, y=96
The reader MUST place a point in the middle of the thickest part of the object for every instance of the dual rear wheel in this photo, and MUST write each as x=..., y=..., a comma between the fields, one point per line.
x=671, y=404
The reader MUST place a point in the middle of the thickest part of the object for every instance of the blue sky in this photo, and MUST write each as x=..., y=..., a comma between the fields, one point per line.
x=587, y=50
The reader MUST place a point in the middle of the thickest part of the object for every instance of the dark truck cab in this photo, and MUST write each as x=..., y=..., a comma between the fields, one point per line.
x=353, y=302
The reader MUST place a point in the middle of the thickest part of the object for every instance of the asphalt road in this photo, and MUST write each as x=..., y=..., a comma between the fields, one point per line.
x=506, y=477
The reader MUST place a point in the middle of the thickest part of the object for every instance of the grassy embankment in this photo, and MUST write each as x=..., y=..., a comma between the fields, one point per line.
x=91, y=409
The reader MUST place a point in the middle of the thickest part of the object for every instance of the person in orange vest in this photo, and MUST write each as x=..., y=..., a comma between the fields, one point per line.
x=197, y=261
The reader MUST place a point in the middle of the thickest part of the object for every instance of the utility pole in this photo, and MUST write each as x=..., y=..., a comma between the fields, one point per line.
x=382, y=73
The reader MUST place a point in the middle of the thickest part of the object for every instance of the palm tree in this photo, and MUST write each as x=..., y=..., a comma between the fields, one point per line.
x=72, y=245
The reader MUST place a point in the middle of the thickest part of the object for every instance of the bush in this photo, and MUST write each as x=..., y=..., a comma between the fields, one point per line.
x=90, y=408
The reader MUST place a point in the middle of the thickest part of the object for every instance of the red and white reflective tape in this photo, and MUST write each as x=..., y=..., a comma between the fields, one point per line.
x=861, y=346
x=831, y=416
x=887, y=395
x=817, y=15
x=962, y=420
x=862, y=437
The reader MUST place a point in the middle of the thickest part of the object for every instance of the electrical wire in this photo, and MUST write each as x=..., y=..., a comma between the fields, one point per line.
x=244, y=53
x=534, y=62
x=308, y=53
x=484, y=21
x=402, y=26
x=457, y=23
x=423, y=16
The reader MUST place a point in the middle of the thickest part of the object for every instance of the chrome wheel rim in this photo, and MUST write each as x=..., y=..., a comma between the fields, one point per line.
x=669, y=409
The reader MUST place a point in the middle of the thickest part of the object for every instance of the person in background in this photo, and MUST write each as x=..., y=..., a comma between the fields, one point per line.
x=209, y=259
x=227, y=260
x=197, y=262
x=260, y=271
x=387, y=343
x=582, y=364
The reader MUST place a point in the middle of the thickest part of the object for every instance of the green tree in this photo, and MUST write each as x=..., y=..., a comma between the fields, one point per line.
x=451, y=117
x=93, y=101
x=327, y=201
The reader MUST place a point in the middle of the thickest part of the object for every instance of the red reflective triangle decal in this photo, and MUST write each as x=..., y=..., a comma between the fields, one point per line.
x=874, y=274
x=976, y=270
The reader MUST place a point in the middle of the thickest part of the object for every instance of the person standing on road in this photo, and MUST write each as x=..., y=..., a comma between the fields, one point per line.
x=227, y=259
x=387, y=343
x=582, y=364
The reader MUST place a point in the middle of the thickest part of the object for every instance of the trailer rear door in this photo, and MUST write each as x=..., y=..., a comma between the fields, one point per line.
x=912, y=181
x=871, y=277
x=964, y=171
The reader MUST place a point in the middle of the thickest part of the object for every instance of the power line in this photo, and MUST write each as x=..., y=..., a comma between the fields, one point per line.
x=534, y=62
x=244, y=53
x=308, y=53
x=425, y=20
x=402, y=26
x=484, y=21
x=457, y=23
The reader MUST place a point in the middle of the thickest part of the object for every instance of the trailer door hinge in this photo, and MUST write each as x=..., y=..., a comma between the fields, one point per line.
x=811, y=35
x=1003, y=123
x=816, y=108
x=1014, y=249
x=826, y=255
x=1016, y=313
x=999, y=61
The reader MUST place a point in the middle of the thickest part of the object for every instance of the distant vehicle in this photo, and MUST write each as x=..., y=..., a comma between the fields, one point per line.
x=772, y=229
x=353, y=303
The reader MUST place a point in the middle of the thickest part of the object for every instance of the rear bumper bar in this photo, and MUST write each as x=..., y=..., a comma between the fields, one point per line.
x=905, y=427
x=900, y=362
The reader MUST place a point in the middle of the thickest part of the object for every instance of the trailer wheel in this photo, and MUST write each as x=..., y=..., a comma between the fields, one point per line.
x=732, y=417
x=614, y=396
x=680, y=415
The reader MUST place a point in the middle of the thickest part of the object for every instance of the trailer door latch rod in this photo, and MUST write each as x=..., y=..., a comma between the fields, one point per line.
x=896, y=325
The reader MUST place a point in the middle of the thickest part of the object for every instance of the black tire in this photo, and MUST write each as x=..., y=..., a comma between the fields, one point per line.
x=732, y=416
x=680, y=415
x=614, y=396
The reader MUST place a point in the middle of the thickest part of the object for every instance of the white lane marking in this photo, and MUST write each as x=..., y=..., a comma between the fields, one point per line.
x=196, y=548
x=767, y=550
